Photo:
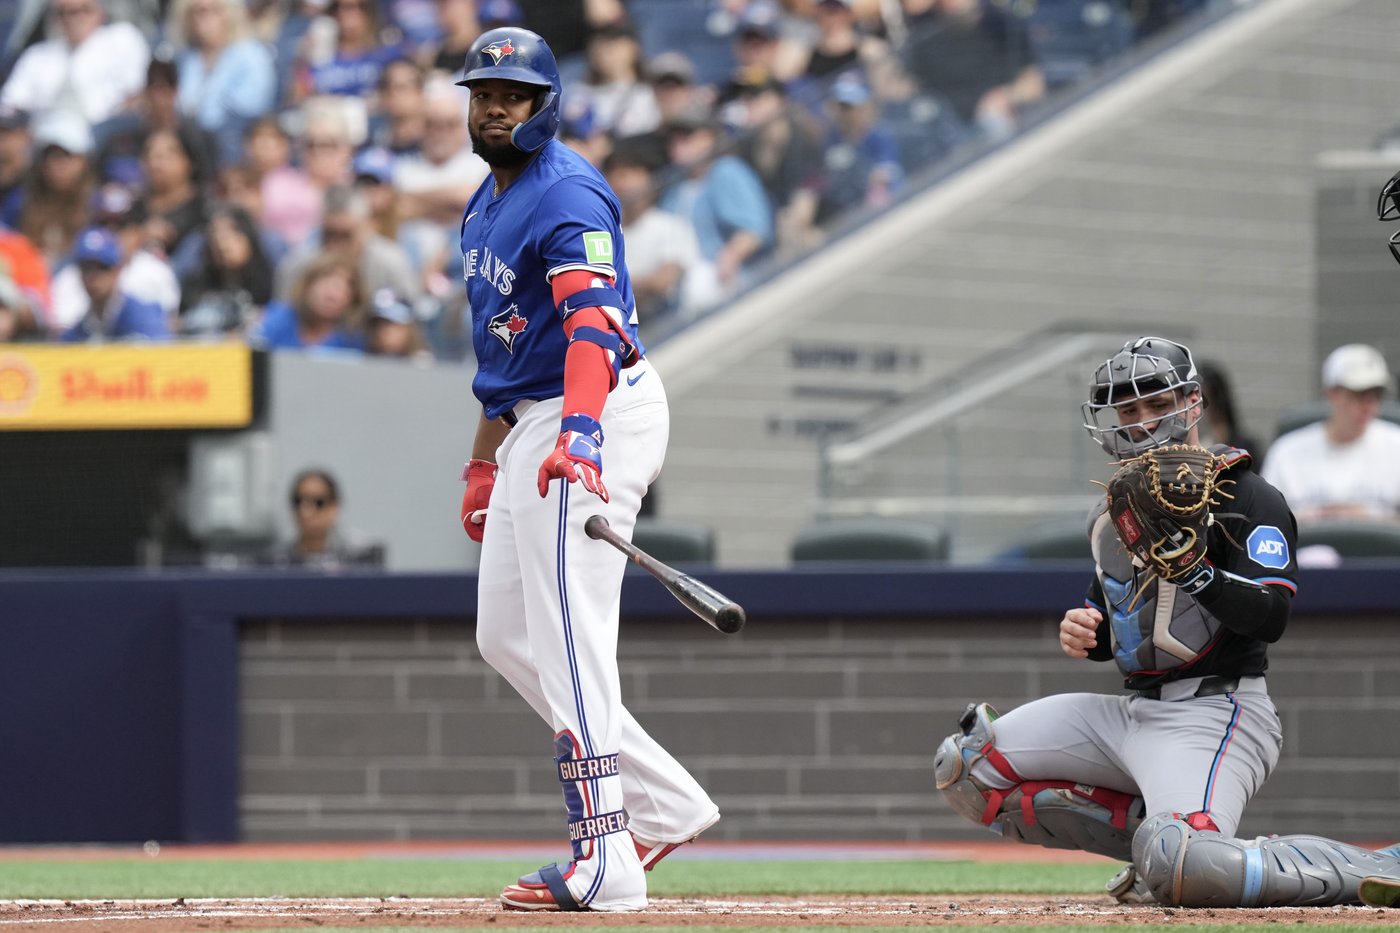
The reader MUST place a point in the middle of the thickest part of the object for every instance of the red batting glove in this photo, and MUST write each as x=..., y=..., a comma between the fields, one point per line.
x=577, y=456
x=481, y=479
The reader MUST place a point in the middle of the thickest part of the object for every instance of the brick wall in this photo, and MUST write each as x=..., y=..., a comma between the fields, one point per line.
x=799, y=729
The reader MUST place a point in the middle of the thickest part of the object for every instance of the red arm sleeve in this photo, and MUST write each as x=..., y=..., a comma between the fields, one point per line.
x=588, y=373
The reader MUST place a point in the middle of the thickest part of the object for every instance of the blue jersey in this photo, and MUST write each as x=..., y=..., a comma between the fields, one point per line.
x=559, y=215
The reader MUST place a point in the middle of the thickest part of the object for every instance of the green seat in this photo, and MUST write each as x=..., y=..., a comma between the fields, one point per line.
x=871, y=539
x=675, y=541
x=1068, y=540
x=1352, y=538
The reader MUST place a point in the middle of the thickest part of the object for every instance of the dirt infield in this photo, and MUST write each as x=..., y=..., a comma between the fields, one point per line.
x=430, y=913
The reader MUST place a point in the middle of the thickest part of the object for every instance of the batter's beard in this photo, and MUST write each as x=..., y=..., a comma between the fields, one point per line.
x=497, y=155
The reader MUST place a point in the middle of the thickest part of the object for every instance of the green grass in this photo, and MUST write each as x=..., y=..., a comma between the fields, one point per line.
x=162, y=878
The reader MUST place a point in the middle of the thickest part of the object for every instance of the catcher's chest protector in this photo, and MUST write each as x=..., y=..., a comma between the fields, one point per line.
x=1164, y=628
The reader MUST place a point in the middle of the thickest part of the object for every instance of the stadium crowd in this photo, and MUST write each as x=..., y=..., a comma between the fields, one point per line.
x=293, y=172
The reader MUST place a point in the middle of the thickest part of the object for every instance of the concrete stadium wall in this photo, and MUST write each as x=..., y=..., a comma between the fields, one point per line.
x=800, y=728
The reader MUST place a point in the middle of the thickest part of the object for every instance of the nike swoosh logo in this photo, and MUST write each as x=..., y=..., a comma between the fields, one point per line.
x=469, y=218
x=632, y=380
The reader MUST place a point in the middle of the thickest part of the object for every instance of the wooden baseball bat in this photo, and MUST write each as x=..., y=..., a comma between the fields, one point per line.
x=714, y=607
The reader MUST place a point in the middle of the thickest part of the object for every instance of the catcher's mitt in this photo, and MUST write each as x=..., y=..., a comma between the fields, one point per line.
x=1160, y=506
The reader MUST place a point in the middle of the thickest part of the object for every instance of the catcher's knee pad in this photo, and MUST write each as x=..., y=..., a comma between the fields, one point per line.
x=1054, y=814
x=1188, y=867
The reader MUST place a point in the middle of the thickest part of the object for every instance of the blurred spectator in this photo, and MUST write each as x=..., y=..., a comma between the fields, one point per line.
x=719, y=195
x=59, y=185
x=1347, y=466
x=977, y=59
x=267, y=169
x=226, y=77
x=90, y=67
x=394, y=329
x=840, y=45
x=173, y=203
x=581, y=133
x=145, y=275
x=293, y=195
x=863, y=168
x=1222, y=423
x=781, y=141
x=111, y=315
x=359, y=52
x=673, y=83
x=321, y=541
x=374, y=177
x=232, y=284
x=122, y=139
x=661, y=248
x=397, y=124
x=761, y=46
x=239, y=186
x=326, y=309
x=462, y=21
x=566, y=24
x=346, y=229
x=287, y=27
x=614, y=85
x=24, y=289
x=436, y=182
x=16, y=156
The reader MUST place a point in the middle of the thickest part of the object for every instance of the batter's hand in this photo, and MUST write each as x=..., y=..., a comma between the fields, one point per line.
x=481, y=479
x=1078, y=631
x=577, y=456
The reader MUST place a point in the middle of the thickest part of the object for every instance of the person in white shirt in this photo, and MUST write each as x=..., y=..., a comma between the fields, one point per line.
x=91, y=67
x=1347, y=466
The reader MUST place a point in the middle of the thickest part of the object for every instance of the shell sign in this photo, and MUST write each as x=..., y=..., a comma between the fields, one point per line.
x=97, y=387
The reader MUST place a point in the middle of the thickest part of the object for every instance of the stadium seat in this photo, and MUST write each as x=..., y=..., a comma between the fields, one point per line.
x=674, y=541
x=1352, y=538
x=871, y=539
x=1065, y=540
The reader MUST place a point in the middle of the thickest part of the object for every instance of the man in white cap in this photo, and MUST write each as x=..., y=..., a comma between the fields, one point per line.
x=1347, y=466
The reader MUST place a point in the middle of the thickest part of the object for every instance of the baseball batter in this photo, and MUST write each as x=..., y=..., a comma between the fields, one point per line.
x=1160, y=776
x=564, y=385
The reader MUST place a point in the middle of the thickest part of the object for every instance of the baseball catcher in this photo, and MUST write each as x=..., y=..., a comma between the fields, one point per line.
x=1194, y=578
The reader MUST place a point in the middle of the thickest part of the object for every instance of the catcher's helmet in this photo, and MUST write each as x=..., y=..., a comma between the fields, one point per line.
x=1388, y=208
x=514, y=54
x=1143, y=368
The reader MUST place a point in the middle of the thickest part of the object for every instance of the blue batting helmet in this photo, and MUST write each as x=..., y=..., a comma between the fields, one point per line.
x=514, y=54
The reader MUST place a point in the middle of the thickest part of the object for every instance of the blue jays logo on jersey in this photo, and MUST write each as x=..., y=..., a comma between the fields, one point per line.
x=1268, y=547
x=508, y=325
x=499, y=50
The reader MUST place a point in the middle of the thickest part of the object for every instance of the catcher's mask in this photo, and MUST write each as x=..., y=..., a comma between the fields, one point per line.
x=1388, y=208
x=1145, y=368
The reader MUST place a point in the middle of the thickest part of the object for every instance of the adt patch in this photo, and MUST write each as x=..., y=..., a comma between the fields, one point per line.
x=1268, y=547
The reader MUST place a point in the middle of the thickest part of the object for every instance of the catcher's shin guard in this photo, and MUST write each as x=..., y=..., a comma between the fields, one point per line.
x=1054, y=814
x=1186, y=867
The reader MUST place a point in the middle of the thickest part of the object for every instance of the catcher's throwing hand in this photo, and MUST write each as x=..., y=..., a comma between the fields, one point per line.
x=1160, y=507
x=1078, y=631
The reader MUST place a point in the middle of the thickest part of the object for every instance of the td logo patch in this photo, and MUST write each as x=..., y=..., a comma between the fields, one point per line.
x=597, y=247
x=1268, y=547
